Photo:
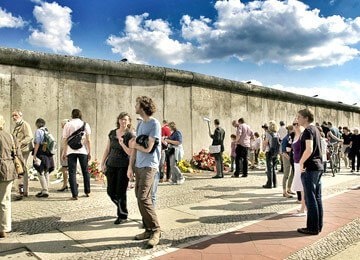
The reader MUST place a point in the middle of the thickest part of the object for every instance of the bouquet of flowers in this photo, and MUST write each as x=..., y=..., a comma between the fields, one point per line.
x=95, y=172
x=203, y=160
x=185, y=166
x=33, y=174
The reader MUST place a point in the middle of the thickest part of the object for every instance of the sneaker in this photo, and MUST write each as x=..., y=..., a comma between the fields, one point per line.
x=307, y=231
x=155, y=239
x=173, y=183
x=143, y=236
x=120, y=221
x=74, y=198
x=181, y=181
x=42, y=195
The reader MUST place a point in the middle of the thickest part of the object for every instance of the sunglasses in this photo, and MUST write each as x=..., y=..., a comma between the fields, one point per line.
x=295, y=124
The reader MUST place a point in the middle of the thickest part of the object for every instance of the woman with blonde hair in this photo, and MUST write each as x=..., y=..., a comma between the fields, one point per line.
x=297, y=184
x=115, y=162
x=64, y=164
x=272, y=139
x=7, y=176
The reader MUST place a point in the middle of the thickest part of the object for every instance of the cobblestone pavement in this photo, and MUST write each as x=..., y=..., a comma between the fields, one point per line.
x=248, y=202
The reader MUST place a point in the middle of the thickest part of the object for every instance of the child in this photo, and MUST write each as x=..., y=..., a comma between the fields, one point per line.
x=233, y=154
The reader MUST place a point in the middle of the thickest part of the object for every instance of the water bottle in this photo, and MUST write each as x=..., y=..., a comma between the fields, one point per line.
x=21, y=189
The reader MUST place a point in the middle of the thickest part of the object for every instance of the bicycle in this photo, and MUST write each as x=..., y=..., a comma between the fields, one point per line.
x=334, y=158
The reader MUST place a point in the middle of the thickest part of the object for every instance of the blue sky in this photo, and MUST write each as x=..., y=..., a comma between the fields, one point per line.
x=308, y=47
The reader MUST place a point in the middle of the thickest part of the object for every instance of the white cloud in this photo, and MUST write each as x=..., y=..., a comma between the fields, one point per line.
x=145, y=39
x=55, y=30
x=286, y=32
x=253, y=82
x=10, y=21
x=345, y=91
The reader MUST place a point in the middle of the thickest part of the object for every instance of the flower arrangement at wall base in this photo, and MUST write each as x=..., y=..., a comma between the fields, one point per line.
x=203, y=160
x=262, y=159
x=186, y=167
x=95, y=172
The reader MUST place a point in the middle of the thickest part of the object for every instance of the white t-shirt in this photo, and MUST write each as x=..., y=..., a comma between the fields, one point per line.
x=70, y=128
x=282, y=132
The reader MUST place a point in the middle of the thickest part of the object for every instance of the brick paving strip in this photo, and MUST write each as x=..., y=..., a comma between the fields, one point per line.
x=276, y=237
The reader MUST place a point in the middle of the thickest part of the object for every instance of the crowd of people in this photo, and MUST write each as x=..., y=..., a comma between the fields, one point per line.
x=151, y=153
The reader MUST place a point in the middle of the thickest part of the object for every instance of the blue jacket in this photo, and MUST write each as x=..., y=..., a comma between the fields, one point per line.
x=284, y=144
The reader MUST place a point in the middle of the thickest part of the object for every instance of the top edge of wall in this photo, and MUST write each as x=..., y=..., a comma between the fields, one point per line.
x=40, y=60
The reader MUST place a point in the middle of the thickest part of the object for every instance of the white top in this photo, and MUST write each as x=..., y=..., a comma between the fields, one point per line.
x=70, y=128
x=282, y=132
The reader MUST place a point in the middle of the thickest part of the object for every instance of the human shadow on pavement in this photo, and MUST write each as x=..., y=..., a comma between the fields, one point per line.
x=47, y=224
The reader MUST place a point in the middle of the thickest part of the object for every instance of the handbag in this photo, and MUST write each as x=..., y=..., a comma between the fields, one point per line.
x=18, y=165
x=213, y=149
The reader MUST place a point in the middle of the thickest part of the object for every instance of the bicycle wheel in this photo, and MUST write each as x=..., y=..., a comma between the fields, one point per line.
x=332, y=166
x=338, y=161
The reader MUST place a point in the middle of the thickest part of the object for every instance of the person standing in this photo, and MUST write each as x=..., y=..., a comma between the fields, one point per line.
x=243, y=136
x=115, y=161
x=288, y=171
x=282, y=133
x=43, y=161
x=257, y=146
x=355, y=149
x=146, y=166
x=7, y=176
x=297, y=184
x=271, y=145
x=311, y=168
x=64, y=164
x=334, y=136
x=218, y=139
x=23, y=136
x=165, y=133
x=77, y=146
x=346, y=137
x=175, y=153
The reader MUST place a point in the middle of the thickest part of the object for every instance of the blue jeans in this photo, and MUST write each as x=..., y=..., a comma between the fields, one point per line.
x=311, y=181
x=154, y=188
x=72, y=165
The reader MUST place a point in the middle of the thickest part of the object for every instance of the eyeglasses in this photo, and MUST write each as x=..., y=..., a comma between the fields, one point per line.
x=295, y=124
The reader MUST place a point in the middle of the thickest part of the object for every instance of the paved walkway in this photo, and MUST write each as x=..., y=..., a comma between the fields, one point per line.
x=274, y=238
x=57, y=228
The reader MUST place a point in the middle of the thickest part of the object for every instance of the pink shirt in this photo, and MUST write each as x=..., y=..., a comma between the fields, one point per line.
x=245, y=134
x=233, y=148
x=70, y=128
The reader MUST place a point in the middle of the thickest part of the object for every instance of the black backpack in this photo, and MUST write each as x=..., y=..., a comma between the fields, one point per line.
x=274, y=145
x=74, y=140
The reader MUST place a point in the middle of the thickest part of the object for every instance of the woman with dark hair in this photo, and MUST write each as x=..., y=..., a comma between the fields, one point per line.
x=176, y=152
x=43, y=161
x=116, y=162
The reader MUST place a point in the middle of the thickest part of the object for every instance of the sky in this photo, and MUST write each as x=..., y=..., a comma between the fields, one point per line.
x=310, y=47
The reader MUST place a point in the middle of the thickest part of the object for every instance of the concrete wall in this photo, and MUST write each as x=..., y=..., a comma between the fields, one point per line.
x=50, y=86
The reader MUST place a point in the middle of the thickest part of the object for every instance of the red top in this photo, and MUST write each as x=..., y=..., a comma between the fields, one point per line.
x=165, y=131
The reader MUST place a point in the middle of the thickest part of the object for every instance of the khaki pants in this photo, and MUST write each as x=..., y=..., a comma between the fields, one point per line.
x=5, y=206
x=25, y=179
x=288, y=173
x=144, y=179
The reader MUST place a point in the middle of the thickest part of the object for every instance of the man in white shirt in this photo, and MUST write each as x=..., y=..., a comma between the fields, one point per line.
x=81, y=151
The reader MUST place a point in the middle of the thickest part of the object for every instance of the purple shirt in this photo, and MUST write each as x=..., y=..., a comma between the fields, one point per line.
x=245, y=134
x=297, y=151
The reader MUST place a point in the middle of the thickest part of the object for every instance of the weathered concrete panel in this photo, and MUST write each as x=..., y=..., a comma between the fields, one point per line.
x=177, y=96
x=151, y=88
x=113, y=95
x=5, y=92
x=213, y=104
x=35, y=93
x=79, y=91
